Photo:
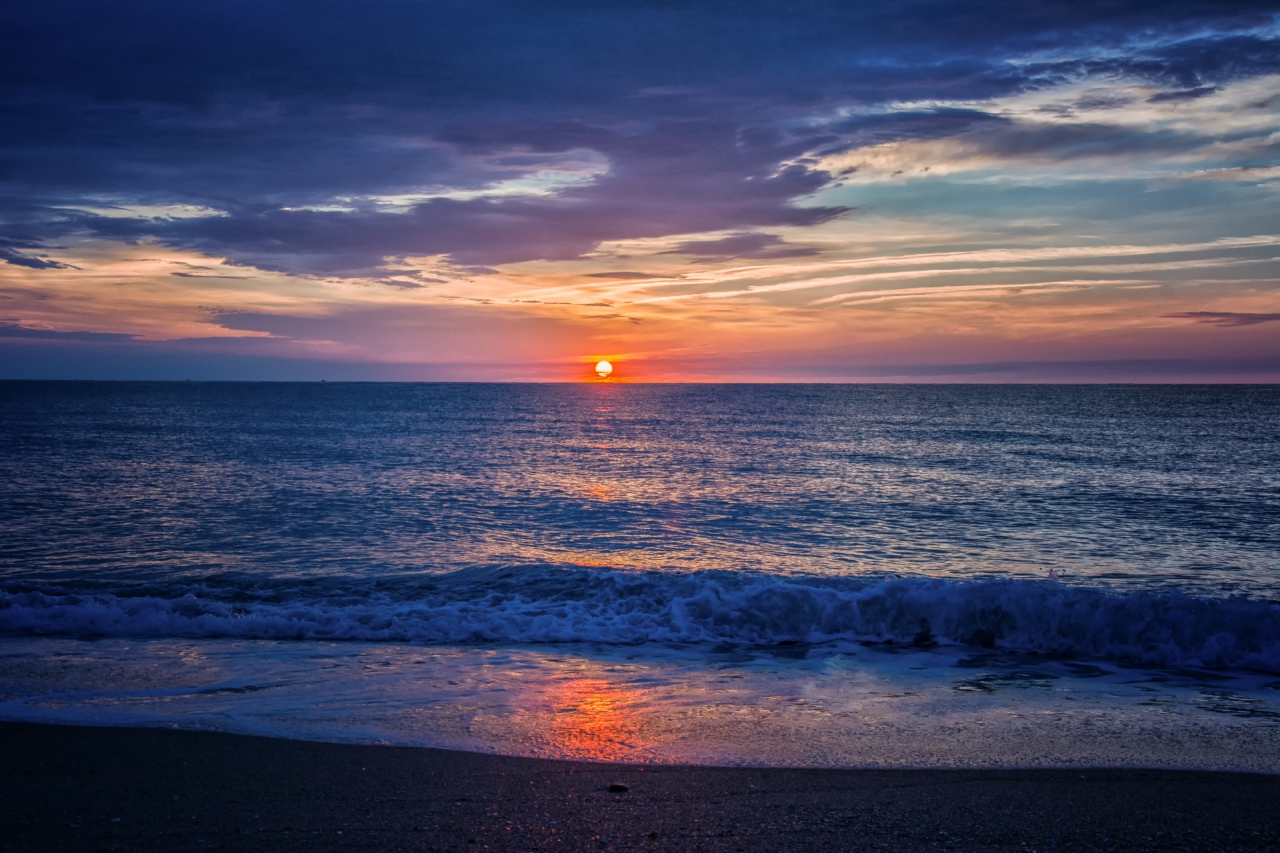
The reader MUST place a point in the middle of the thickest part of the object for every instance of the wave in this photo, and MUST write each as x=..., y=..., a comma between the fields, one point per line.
x=614, y=607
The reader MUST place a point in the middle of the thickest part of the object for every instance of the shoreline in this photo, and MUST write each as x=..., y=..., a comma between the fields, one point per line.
x=118, y=789
x=785, y=706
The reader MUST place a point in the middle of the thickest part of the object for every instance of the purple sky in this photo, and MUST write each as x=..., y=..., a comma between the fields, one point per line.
x=915, y=191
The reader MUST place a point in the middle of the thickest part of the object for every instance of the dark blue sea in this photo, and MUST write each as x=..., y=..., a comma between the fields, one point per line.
x=735, y=574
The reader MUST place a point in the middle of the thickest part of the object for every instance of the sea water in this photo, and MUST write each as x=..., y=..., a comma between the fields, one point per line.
x=809, y=575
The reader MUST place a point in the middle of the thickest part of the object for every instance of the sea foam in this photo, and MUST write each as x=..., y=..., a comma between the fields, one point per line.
x=547, y=605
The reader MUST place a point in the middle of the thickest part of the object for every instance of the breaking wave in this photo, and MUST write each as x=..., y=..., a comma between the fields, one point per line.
x=577, y=605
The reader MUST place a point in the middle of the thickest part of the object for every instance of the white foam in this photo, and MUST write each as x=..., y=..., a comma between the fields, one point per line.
x=557, y=606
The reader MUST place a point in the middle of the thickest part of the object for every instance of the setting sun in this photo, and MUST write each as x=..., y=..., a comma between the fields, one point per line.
x=603, y=369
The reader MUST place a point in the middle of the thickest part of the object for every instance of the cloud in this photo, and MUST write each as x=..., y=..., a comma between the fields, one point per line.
x=1012, y=145
x=674, y=178
x=18, y=259
x=625, y=275
x=1236, y=173
x=445, y=53
x=746, y=245
x=296, y=123
x=15, y=330
x=915, y=124
x=1059, y=142
x=1227, y=319
x=1183, y=95
x=1201, y=63
x=1084, y=370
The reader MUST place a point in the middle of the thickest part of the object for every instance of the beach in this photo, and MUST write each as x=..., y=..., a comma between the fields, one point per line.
x=451, y=617
x=90, y=788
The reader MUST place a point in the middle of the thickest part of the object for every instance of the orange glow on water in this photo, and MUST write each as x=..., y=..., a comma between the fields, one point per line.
x=598, y=492
x=596, y=720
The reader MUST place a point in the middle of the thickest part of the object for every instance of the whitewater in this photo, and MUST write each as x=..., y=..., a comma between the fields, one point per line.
x=616, y=608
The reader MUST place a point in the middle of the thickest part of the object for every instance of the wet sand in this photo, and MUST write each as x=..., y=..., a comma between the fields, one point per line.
x=94, y=789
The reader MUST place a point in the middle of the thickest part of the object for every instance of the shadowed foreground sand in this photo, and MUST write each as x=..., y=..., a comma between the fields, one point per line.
x=92, y=789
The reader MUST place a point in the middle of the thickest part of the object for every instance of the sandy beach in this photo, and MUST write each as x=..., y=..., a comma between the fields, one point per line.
x=90, y=789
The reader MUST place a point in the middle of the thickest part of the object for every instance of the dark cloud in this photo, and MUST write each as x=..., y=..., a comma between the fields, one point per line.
x=1228, y=319
x=691, y=109
x=1261, y=369
x=14, y=330
x=1182, y=95
x=880, y=128
x=1198, y=62
x=540, y=53
x=1096, y=100
x=674, y=178
x=749, y=245
x=10, y=255
x=1201, y=63
x=1061, y=142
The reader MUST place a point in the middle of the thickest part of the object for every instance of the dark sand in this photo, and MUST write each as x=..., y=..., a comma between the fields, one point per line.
x=91, y=789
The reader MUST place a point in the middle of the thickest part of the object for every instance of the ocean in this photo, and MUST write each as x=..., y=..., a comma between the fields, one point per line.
x=776, y=575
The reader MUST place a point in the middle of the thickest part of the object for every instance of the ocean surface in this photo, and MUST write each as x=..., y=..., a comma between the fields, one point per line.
x=811, y=575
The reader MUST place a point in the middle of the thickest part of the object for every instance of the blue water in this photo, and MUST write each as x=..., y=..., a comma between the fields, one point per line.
x=1117, y=525
x=126, y=483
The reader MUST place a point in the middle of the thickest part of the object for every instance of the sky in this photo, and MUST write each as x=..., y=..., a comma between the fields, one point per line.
x=917, y=191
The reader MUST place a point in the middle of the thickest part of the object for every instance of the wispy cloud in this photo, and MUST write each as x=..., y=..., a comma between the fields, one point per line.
x=994, y=257
x=934, y=265
x=1228, y=319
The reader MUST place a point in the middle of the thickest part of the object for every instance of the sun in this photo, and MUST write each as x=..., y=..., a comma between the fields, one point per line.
x=603, y=369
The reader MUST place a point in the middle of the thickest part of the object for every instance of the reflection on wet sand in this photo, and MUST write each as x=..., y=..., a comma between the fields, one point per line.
x=596, y=720
x=648, y=704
